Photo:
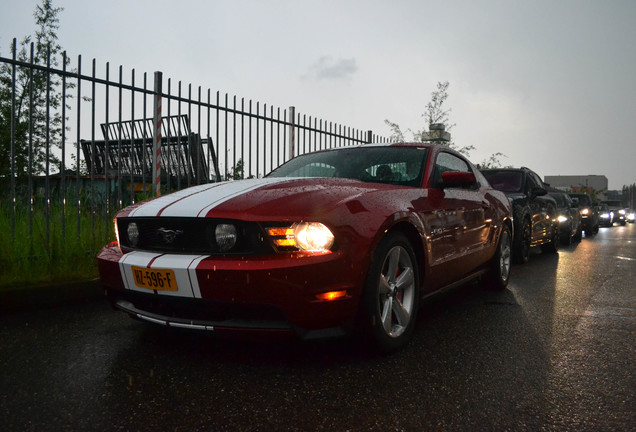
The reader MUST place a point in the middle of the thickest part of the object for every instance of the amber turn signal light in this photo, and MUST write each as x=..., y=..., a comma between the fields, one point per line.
x=331, y=295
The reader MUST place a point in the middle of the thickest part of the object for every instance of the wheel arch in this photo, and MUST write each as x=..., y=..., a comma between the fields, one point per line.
x=413, y=236
x=509, y=222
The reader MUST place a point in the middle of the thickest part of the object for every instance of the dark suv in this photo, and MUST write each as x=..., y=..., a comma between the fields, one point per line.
x=535, y=212
x=589, y=213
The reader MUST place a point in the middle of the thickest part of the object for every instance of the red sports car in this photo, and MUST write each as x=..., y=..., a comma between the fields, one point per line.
x=329, y=243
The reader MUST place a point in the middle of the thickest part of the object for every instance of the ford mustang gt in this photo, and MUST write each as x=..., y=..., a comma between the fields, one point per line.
x=341, y=241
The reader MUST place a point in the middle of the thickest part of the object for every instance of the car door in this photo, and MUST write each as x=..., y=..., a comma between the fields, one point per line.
x=457, y=222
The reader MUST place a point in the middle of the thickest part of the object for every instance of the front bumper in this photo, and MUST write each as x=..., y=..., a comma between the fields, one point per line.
x=223, y=294
x=587, y=222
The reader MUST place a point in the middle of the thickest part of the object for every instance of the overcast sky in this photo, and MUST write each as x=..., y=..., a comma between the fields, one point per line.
x=549, y=83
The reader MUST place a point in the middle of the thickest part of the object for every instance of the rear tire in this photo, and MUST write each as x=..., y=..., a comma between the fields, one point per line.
x=501, y=262
x=391, y=294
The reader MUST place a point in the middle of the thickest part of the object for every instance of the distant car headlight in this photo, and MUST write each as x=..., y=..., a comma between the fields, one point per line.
x=132, y=231
x=225, y=236
x=562, y=218
x=631, y=216
x=306, y=236
x=605, y=216
x=585, y=212
x=622, y=212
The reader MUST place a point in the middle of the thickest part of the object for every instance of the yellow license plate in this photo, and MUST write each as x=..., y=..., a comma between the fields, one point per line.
x=154, y=279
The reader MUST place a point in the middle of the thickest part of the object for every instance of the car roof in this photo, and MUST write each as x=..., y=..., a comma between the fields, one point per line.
x=510, y=169
x=399, y=144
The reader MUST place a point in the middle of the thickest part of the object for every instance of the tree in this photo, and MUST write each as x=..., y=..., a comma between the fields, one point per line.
x=238, y=171
x=494, y=161
x=436, y=112
x=34, y=140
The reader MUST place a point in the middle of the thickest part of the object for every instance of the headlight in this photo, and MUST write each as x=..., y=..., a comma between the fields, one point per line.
x=631, y=216
x=307, y=236
x=133, y=234
x=622, y=212
x=605, y=215
x=225, y=235
x=585, y=212
x=313, y=236
x=562, y=218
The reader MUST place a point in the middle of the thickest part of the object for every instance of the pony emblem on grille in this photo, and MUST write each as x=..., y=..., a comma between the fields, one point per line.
x=168, y=235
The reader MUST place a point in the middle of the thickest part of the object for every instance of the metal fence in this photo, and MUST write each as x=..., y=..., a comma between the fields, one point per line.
x=93, y=152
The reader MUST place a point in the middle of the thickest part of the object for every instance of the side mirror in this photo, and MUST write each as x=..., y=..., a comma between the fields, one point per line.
x=537, y=191
x=458, y=179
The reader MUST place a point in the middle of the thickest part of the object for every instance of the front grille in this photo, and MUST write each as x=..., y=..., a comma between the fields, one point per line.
x=190, y=236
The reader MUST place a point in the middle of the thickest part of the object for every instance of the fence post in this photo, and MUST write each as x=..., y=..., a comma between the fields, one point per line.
x=369, y=137
x=292, y=132
x=12, y=138
x=156, y=154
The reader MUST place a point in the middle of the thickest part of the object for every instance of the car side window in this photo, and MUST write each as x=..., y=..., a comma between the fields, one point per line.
x=538, y=181
x=447, y=162
x=532, y=182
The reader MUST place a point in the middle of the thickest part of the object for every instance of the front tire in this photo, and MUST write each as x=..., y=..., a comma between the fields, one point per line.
x=522, y=244
x=391, y=294
x=553, y=246
x=567, y=237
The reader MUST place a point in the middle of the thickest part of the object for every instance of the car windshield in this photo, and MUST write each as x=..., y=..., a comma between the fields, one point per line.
x=505, y=181
x=613, y=204
x=584, y=199
x=390, y=165
x=560, y=200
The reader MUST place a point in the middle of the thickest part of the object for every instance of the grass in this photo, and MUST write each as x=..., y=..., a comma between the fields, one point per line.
x=29, y=258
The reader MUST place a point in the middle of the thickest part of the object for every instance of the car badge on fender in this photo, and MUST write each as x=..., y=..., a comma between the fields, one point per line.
x=167, y=235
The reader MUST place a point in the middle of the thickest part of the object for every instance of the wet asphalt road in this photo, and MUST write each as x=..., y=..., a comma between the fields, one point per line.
x=556, y=351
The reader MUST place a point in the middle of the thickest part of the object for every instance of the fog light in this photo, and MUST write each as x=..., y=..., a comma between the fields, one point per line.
x=133, y=234
x=225, y=235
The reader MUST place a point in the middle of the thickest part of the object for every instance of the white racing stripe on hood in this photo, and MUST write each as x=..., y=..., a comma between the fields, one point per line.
x=197, y=201
x=154, y=207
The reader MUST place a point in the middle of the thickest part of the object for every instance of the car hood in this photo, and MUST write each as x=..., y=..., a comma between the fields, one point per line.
x=515, y=196
x=257, y=199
